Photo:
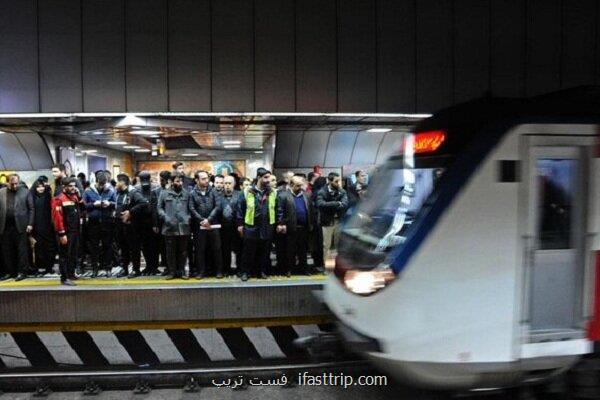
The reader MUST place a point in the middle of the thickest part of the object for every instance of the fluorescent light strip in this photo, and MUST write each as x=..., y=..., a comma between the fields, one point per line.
x=231, y=142
x=142, y=150
x=232, y=146
x=215, y=114
x=89, y=151
x=190, y=154
x=379, y=130
x=131, y=147
x=116, y=143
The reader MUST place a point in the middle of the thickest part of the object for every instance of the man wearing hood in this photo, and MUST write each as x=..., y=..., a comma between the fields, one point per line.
x=40, y=198
x=100, y=201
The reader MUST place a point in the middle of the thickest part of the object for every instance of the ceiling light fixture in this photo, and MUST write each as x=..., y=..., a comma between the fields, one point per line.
x=89, y=151
x=231, y=142
x=190, y=154
x=379, y=130
x=142, y=150
x=116, y=142
x=232, y=146
x=258, y=152
x=131, y=147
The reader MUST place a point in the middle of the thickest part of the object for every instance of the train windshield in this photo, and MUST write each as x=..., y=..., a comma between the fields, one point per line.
x=397, y=192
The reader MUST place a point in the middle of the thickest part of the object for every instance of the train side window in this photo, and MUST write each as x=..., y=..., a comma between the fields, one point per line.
x=557, y=185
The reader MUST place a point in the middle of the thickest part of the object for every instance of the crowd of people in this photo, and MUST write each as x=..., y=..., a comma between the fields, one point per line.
x=216, y=225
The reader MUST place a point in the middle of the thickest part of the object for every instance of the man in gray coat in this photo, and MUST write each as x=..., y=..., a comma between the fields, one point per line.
x=16, y=221
x=173, y=211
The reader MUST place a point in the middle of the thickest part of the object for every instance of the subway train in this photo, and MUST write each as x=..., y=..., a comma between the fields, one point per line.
x=472, y=261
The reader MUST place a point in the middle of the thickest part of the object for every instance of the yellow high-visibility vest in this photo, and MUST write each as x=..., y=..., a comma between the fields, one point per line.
x=251, y=205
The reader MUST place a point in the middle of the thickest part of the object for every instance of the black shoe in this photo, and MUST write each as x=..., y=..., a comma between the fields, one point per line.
x=164, y=273
x=263, y=275
x=134, y=274
x=199, y=276
x=184, y=277
x=244, y=277
x=171, y=277
x=68, y=282
x=73, y=277
x=78, y=271
x=219, y=275
x=4, y=277
x=288, y=274
x=94, y=274
x=20, y=277
x=122, y=274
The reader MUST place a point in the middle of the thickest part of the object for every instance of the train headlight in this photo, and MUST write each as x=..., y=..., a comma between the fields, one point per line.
x=367, y=282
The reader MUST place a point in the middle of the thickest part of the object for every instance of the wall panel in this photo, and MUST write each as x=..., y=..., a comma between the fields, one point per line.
x=189, y=55
x=314, y=145
x=507, y=46
x=316, y=61
x=434, y=54
x=289, y=55
x=544, y=46
x=357, y=58
x=146, y=55
x=396, y=75
x=471, y=49
x=275, y=55
x=60, y=55
x=18, y=56
x=579, y=43
x=339, y=149
x=232, y=55
x=103, y=52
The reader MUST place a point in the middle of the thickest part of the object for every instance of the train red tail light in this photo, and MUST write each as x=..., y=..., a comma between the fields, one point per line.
x=429, y=141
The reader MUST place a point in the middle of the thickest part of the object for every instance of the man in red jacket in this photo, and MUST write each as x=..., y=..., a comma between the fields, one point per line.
x=66, y=215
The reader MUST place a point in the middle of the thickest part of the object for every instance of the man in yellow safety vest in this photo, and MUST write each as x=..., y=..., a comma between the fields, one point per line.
x=256, y=223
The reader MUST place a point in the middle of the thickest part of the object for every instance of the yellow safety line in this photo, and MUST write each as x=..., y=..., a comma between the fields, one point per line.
x=46, y=282
x=184, y=324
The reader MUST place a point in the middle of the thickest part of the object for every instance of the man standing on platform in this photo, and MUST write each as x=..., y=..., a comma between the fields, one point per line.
x=16, y=221
x=332, y=202
x=256, y=223
x=124, y=230
x=173, y=212
x=100, y=201
x=165, y=180
x=141, y=220
x=296, y=214
x=205, y=210
x=66, y=215
x=230, y=238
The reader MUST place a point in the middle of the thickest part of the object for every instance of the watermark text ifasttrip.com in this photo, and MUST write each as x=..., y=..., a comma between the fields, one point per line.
x=340, y=379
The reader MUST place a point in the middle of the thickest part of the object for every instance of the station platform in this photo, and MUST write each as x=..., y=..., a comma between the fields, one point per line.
x=106, y=322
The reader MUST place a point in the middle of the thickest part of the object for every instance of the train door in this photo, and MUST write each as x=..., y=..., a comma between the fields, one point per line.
x=557, y=188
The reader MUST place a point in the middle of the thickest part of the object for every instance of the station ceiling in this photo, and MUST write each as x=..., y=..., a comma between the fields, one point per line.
x=190, y=133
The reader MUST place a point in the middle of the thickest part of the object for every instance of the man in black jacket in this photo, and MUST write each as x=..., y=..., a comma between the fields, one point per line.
x=205, y=210
x=16, y=221
x=164, y=178
x=124, y=230
x=230, y=238
x=296, y=214
x=332, y=202
x=141, y=218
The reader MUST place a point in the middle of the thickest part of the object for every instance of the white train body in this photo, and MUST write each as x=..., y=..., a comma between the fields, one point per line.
x=480, y=302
